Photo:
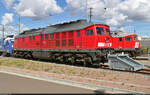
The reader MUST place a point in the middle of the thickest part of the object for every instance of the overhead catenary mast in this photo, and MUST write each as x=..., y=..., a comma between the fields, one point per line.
x=134, y=31
x=91, y=14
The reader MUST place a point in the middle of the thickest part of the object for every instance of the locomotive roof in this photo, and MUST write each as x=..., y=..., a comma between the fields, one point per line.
x=69, y=26
x=64, y=27
x=118, y=33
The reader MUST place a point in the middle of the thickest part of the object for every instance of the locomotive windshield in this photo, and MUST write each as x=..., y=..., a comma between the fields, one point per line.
x=100, y=31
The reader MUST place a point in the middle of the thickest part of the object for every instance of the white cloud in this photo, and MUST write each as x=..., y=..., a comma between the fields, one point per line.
x=75, y=6
x=15, y=29
x=118, y=12
x=7, y=18
x=37, y=9
x=135, y=9
x=8, y=3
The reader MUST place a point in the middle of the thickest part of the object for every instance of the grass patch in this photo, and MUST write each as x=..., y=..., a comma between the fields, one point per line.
x=19, y=65
x=81, y=74
x=40, y=66
x=73, y=72
x=54, y=71
x=46, y=69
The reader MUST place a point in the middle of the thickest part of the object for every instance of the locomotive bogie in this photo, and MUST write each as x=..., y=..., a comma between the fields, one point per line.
x=75, y=57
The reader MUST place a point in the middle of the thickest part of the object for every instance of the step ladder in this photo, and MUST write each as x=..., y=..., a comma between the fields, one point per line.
x=123, y=62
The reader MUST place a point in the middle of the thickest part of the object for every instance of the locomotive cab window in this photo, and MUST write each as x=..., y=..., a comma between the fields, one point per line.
x=135, y=38
x=100, y=31
x=108, y=32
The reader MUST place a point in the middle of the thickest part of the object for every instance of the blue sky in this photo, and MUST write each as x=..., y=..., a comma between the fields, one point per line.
x=120, y=19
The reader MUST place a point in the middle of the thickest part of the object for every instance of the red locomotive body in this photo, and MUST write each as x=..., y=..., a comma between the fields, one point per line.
x=73, y=41
x=91, y=37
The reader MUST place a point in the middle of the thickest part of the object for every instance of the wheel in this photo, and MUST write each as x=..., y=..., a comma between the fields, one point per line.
x=0, y=53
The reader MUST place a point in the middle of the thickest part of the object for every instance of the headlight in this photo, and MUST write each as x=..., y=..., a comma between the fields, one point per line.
x=101, y=44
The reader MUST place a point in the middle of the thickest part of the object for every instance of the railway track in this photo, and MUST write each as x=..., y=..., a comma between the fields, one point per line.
x=145, y=71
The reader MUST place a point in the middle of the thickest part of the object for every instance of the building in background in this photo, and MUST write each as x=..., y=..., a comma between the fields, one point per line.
x=145, y=42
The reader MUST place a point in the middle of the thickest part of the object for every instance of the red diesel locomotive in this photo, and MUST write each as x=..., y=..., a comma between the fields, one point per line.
x=126, y=42
x=73, y=42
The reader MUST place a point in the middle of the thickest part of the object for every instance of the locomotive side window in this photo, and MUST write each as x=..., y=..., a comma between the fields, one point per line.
x=33, y=37
x=23, y=38
x=135, y=38
x=42, y=37
x=89, y=32
x=100, y=31
x=46, y=36
x=128, y=39
x=120, y=39
x=30, y=38
x=108, y=31
x=52, y=36
x=78, y=33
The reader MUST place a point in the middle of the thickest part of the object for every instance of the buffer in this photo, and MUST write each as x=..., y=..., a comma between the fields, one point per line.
x=123, y=62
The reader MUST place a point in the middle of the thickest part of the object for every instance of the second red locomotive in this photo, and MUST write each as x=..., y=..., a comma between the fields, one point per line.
x=126, y=42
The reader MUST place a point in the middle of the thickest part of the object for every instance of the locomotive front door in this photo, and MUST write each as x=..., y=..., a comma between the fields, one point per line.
x=78, y=39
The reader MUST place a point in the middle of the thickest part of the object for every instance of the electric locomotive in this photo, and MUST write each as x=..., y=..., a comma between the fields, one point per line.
x=6, y=46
